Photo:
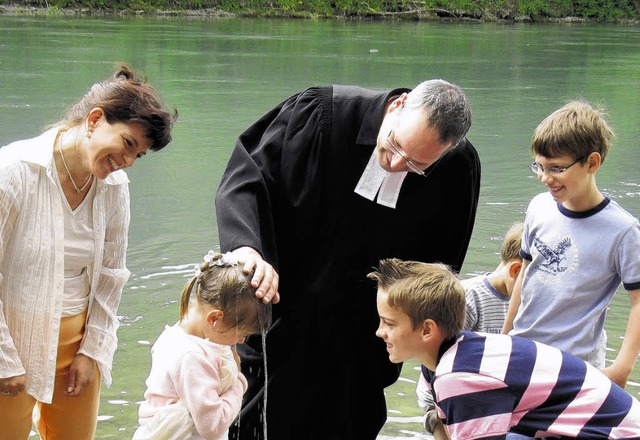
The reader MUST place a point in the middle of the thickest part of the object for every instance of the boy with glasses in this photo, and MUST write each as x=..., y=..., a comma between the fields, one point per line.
x=487, y=384
x=578, y=246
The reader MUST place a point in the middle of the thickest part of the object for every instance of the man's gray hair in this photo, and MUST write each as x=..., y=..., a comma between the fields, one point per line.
x=446, y=107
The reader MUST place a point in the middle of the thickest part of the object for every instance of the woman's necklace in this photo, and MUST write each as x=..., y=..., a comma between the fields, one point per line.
x=64, y=162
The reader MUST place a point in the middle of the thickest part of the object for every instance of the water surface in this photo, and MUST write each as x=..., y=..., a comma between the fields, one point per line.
x=222, y=74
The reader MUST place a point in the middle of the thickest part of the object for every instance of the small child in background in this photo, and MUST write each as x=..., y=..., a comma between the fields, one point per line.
x=195, y=387
x=487, y=299
x=486, y=385
x=488, y=294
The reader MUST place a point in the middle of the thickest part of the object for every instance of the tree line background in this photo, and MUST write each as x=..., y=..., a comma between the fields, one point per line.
x=516, y=10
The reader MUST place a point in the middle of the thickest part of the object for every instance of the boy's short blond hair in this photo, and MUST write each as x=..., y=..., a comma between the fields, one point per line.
x=423, y=291
x=577, y=129
x=512, y=243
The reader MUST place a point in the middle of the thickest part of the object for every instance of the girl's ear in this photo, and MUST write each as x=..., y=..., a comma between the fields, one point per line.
x=214, y=316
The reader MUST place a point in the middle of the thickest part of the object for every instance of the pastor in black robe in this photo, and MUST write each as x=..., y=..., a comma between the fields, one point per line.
x=288, y=192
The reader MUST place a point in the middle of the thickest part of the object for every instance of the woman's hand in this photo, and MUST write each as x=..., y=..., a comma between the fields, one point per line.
x=265, y=278
x=81, y=374
x=11, y=386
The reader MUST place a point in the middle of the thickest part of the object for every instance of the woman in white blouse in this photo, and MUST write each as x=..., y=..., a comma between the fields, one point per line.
x=64, y=219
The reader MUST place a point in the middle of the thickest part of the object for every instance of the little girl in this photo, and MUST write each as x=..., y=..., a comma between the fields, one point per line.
x=195, y=387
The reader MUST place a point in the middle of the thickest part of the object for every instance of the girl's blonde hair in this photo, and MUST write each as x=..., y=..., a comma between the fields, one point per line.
x=221, y=283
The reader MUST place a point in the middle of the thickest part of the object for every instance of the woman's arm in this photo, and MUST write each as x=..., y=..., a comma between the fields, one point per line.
x=109, y=276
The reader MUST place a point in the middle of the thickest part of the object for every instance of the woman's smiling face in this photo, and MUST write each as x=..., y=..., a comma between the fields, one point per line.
x=114, y=146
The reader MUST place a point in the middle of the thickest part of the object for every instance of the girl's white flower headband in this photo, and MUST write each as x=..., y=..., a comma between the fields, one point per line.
x=227, y=259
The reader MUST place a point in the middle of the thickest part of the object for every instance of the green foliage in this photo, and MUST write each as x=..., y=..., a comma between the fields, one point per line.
x=601, y=10
x=546, y=8
x=357, y=7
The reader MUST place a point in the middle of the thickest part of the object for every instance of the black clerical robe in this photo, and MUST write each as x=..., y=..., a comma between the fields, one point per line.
x=288, y=192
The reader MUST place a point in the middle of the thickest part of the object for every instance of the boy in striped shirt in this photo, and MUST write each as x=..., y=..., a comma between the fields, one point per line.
x=485, y=385
x=487, y=304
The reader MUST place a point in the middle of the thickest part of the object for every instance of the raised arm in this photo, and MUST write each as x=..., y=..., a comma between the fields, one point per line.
x=514, y=301
x=252, y=191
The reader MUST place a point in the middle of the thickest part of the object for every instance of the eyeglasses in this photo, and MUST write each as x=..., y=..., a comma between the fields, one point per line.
x=396, y=150
x=555, y=170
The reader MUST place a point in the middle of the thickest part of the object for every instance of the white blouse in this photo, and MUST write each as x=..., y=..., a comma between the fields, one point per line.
x=32, y=265
x=79, y=250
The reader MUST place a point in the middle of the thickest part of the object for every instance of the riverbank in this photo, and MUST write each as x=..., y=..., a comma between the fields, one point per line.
x=505, y=15
x=29, y=10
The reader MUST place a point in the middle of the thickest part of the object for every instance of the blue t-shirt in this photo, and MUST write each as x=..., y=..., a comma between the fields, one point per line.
x=577, y=262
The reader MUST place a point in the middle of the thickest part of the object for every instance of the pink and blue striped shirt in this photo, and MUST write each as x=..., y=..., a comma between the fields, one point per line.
x=486, y=385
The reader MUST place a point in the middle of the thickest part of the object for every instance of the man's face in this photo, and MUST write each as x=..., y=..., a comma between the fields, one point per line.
x=396, y=330
x=404, y=141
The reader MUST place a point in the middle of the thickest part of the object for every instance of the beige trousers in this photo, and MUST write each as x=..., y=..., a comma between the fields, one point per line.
x=65, y=418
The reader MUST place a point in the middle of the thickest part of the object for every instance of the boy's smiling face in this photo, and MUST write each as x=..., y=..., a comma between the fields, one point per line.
x=574, y=187
x=396, y=330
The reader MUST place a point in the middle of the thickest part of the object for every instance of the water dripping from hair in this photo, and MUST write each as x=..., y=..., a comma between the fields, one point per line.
x=264, y=318
x=236, y=348
x=263, y=332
